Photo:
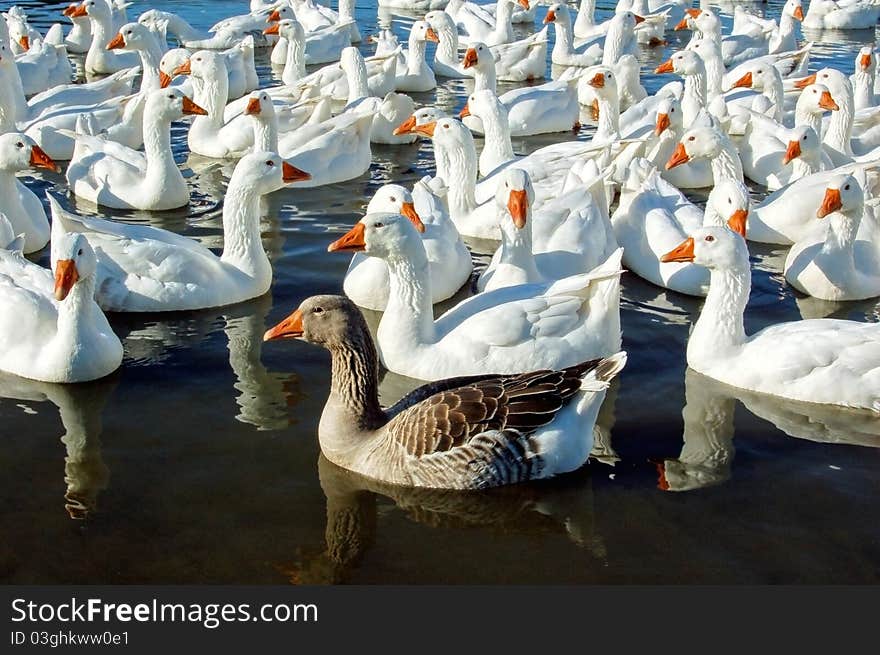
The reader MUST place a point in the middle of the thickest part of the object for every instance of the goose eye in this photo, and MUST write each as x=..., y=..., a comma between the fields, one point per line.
x=318, y=310
x=692, y=138
x=378, y=225
x=805, y=137
x=171, y=95
x=710, y=238
x=269, y=162
x=393, y=199
x=846, y=188
x=128, y=32
x=730, y=201
x=79, y=252
x=19, y=145
x=446, y=125
x=672, y=111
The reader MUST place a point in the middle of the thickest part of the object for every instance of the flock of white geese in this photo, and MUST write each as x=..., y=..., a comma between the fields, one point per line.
x=519, y=370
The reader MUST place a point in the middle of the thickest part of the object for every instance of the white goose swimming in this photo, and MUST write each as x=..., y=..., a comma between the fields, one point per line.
x=418, y=76
x=79, y=38
x=21, y=206
x=839, y=266
x=367, y=281
x=485, y=437
x=825, y=361
x=109, y=174
x=842, y=14
x=100, y=60
x=51, y=330
x=524, y=327
x=147, y=269
x=564, y=52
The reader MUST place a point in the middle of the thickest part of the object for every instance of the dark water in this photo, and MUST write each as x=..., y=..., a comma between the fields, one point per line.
x=198, y=461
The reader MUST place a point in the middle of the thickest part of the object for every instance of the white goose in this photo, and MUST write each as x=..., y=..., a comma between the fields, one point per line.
x=21, y=206
x=45, y=65
x=501, y=30
x=668, y=131
x=323, y=44
x=583, y=237
x=564, y=52
x=418, y=76
x=100, y=60
x=367, y=281
x=146, y=269
x=446, y=61
x=712, y=144
x=109, y=174
x=526, y=327
x=51, y=330
x=842, y=15
x=864, y=79
x=79, y=38
x=825, y=361
x=653, y=217
x=837, y=266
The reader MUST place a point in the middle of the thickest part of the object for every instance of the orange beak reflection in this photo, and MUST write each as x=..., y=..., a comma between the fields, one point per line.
x=409, y=210
x=406, y=127
x=66, y=276
x=517, y=205
x=351, y=241
x=290, y=173
x=792, y=152
x=831, y=203
x=682, y=253
x=737, y=222
x=290, y=328
x=678, y=157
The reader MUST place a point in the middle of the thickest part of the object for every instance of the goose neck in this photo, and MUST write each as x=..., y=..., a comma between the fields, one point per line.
x=75, y=315
x=150, y=56
x=775, y=93
x=409, y=317
x=503, y=31
x=211, y=95
x=485, y=77
x=447, y=49
x=614, y=44
x=804, y=116
x=609, y=118
x=243, y=247
x=840, y=126
x=295, y=64
x=17, y=109
x=415, y=62
x=354, y=390
x=161, y=166
x=460, y=175
x=496, y=134
x=714, y=75
x=586, y=15
x=863, y=89
x=841, y=234
x=516, y=246
x=265, y=133
x=694, y=99
x=720, y=325
x=803, y=166
x=183, y=30
x=726, y=164
x=564, y=37
x=358, y=81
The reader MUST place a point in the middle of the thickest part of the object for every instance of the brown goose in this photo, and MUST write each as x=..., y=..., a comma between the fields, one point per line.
x=462, y=433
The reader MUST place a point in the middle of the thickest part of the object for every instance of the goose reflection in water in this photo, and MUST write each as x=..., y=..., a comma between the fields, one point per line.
x=80, y=407
x=708, y=451
x=354, y=518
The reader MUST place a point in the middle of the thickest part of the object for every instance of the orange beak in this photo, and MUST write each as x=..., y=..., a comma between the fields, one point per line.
x=409, y=210
x=662, y=482
x=425, y=130
x=431, y=35
x=663, y=123
x=116, y=43
x=550, y=17
x=290, y=173
x=639, y=19
x=865, y=61
x=25, y=42
x=831, y=203
x=470, y=58
x=682, y=253
x=598, y=81
x=66, y=276
x=792, y=152
x=183, y=69
x=39, y=159
x=191, y=108
x=737, y=222
x=517, y=205
x=272, y=29
x=78, y=11
x=351, y=241
x=274, y=17
x=665, y=67
x=164, y=79
x=69, y=10
x=798, y=13
x=524, y=4
x=678, y=157
x=827, y=102
x=465, y=111
x=682, y=25
x=406, y=127
x=290, y=328
x=744, y=82
x=253, y=106
x=807, y=81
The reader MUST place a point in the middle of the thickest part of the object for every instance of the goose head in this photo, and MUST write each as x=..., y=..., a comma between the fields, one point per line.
x=385, y=235
x=260, y=106
x=76, y=18
x=697, y=143
x=421, y=31
x=795, y=9
x=803, y=142
x=515, y=196
x=716, y=248
x=76, y=261
x=171, y=105
x=205, y=65
x=483, y=104
x=446, y=132
x=708, y=49
x=668, y=115
x=326, y=320
x=708, y=22
x=395, y=199
x=843, y=194
x=760, y=77
x=683, y=62
x=284, y=12
x=626, y=22
x=396, y=105
x=865, y=60
x=351, y=60
x=19, y=152
x=729, y=200
x=558, y=14
x=689, y=20
x=290, y=28
x=133, y=36
x=838, y=83
x=421, y=116
x=18, y=29
x=97, y=10
x=265, y=172
x=603, y=82
x=440, y=22
x=170, y=62
x=816, y=98
x=478, y=56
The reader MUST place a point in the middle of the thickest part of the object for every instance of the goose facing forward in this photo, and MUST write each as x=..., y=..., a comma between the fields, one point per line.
x=460, y=433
